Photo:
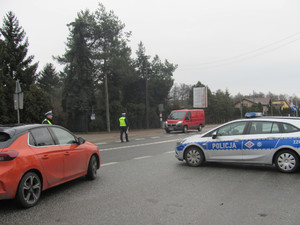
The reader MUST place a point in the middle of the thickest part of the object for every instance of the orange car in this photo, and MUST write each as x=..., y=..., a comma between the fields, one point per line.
x=37, y=157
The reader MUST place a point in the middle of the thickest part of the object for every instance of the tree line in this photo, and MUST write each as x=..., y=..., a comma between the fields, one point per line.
x=221, y=105
x=100, y=77
x=99, y=81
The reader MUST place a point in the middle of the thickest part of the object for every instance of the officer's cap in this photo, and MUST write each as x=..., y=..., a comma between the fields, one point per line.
x=123, y=114
x=48, y=113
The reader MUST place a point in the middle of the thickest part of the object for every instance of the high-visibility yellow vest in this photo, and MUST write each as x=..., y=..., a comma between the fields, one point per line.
x=48, y=121
x=122, y=121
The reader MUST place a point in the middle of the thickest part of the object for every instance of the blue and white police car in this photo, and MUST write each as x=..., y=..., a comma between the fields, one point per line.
x=263, y=140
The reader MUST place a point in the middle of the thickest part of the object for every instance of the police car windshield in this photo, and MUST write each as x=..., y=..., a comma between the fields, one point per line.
x=176, y=116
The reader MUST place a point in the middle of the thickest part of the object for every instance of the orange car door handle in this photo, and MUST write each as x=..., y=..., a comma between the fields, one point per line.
x=45, y=157
x=67, y=153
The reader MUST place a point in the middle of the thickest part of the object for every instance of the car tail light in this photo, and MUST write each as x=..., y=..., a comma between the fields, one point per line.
x=8, y=155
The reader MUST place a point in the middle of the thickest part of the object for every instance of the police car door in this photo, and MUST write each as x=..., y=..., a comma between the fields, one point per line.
x=259, y=143
x=226, y=143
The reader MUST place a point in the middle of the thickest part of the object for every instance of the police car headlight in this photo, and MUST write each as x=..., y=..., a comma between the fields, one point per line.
x=180, y=142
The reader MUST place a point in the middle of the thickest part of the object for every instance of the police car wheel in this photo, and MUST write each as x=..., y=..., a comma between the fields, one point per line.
x=287, y=161
x=194, y=156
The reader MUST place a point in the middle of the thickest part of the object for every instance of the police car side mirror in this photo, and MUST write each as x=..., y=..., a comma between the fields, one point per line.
x=214, y=135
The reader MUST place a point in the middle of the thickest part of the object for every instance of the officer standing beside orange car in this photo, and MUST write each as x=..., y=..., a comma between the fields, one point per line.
x=48, y=119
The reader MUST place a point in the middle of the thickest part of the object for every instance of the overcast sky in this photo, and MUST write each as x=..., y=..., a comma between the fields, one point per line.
x=239, y=45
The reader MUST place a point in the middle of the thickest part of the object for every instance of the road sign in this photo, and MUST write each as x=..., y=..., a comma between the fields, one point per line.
x=294, y=108
x=200, y=97
x=18, y=99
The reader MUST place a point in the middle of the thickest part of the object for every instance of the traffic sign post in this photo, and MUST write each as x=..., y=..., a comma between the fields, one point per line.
x=295, y=109
x=18, y=99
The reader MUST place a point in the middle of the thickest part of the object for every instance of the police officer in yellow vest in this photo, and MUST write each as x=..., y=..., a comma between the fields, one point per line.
x=123, y=127
x=48, y=118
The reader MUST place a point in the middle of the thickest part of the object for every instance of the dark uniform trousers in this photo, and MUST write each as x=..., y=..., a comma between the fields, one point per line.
x=123, y=130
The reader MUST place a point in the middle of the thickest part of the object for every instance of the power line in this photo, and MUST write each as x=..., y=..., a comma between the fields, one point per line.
x=247, y=55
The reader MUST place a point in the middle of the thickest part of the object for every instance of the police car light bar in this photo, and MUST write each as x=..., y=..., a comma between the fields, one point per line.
x=253, y=114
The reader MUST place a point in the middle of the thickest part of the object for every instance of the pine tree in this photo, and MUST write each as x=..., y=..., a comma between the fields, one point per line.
x=14, y=63
x=78, y=85
x=111, y=54
x=48, y=79
x=3, y=108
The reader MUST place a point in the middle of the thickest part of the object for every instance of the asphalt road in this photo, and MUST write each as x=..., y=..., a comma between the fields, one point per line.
x=141, y=182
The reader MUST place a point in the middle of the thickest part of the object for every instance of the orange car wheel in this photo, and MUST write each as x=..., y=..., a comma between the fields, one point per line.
x=29, y=190
x=92, y=170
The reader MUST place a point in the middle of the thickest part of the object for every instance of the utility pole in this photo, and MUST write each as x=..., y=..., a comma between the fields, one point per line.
x=271, y=105
x=241, y=109
x=147, y=99
x=107, y=102
x=297, y=108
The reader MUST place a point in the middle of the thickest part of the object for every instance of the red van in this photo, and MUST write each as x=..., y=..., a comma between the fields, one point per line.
x=184, y=120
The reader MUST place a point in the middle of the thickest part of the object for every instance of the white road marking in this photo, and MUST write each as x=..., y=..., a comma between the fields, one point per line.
x=107, y=164
x=154, y=137
x=143, y=157
x=139, y=139
x=138, y=145
x=101, y=143
x=169, y=152
x=136, y=158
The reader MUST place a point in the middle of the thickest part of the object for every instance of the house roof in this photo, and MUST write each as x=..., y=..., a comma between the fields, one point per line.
x=263, y=101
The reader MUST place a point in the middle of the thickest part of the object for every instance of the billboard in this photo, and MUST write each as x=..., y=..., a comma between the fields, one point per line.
x=200, y=97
